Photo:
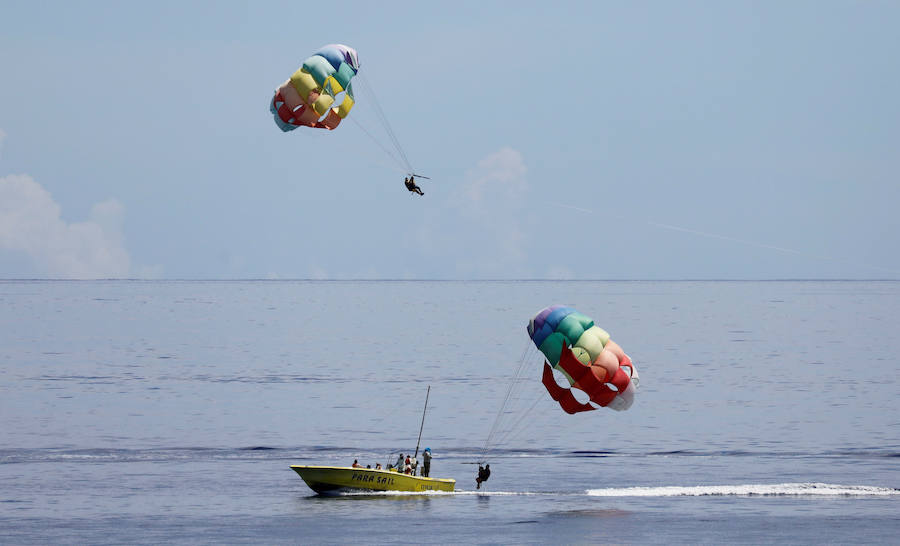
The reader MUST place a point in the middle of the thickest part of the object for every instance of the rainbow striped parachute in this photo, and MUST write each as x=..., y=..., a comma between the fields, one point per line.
x=319, y=94
x=583, y=352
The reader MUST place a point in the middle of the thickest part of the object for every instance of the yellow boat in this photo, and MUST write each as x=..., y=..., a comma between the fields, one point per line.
x=334, y=479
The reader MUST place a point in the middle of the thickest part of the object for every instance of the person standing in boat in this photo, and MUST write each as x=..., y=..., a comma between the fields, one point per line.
x=407, y=465
x=426, y=462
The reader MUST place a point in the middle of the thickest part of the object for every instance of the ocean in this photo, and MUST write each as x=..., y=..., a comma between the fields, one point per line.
x=170, y=411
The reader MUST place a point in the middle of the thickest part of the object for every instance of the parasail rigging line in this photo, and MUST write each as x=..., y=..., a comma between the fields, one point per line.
x=519, y=426
x=386, y=125
x=524, y=417
x=378, y=143
x=488, y=443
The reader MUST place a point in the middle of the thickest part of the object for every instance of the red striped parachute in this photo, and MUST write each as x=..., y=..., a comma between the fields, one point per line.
x=590, y=361
x=319, y=94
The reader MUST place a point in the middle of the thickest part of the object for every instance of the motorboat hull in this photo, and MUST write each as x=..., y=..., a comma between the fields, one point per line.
x=335, y=479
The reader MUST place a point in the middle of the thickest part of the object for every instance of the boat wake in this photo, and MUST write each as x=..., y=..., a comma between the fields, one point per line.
x=457, y=493
x=744, y=490
x=749, y=490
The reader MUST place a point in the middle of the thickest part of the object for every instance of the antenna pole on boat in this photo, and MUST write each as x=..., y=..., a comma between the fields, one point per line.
x=423, y=421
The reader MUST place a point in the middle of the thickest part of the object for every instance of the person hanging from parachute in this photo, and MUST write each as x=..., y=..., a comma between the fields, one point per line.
x=320, y=95
x=484, y=472
x=586, y=356
x=411, y=185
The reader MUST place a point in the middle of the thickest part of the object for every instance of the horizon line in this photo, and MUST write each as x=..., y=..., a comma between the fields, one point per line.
x=425, y=279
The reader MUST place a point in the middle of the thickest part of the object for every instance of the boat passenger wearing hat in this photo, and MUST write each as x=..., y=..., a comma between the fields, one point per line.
x=426, y=462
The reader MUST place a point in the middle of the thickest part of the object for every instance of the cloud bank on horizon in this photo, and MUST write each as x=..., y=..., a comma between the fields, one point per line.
x=31, y=224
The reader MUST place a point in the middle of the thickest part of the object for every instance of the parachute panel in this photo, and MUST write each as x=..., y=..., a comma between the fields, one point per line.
x=343, y=75
x=332, y=120
x=573, y=325
x=282, y=115
x=345, y=106
x=593, y=340
x=590, y=379
x=552, y=347
x=339, y=53
x=304, y=83
x=332, y=54
x=332, y=86
x=582, y=355
x=564, y=396
x=547, y=324
x=319, y=68
x=323, y=104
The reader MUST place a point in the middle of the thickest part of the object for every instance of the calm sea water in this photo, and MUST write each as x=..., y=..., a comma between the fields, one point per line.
x=149, y=412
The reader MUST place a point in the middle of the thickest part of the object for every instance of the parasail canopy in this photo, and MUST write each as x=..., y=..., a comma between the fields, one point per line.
x=319, y=94
x=586, y=356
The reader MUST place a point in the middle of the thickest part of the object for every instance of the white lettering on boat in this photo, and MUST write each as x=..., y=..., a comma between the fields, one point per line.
x=365, y=478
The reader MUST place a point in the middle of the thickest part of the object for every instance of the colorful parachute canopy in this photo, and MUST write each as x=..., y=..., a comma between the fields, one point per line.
x=319, y=94
x=583, y=352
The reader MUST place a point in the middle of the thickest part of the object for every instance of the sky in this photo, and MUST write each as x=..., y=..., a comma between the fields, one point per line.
x=566, y=140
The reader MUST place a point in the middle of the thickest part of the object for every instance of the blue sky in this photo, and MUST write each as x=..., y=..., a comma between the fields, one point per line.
x=595, y=140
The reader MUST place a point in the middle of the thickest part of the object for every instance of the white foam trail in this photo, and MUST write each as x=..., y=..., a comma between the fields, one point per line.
x=743, y=490
x=780, y=489
x=436, y=493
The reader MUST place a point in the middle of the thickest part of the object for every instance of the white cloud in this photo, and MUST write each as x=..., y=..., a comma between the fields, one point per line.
x=496, y=190
x=30, y=222
x=484, y=232
x=500, y=175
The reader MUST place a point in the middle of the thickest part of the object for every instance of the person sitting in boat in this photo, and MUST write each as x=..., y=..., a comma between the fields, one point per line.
x=407, y=465
x=368, y=466
x=356, y=464
x=377, y=466
x=426, y=462
x=413, y=466
x=483, y=475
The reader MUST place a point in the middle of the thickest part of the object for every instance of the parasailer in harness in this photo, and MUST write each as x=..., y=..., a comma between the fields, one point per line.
x=411, y=185
x=483, y=474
